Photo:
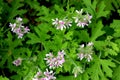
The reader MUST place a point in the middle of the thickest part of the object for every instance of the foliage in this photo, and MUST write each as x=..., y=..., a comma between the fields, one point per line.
x=22, y=59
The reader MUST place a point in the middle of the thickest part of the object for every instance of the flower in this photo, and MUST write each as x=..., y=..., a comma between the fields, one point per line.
x=17, y=62
x=86, y=52
x=19, y=19
x=81, y=24
x=77, y=70
x=61, y=24
x=18, y=28
x=54, y=62
x=79, y=12
x=47, y=75
x=81, y=56
x=81, y=19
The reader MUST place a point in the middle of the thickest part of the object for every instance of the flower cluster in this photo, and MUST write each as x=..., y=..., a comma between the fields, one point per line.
x=47, y=75
x=54, y=62
x=17, y=62
x=86, y=52
x=61, y=24
x=82, y=20
x=77, y=70
x=18, y=27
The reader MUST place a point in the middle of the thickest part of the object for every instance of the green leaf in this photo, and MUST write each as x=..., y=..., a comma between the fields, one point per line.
x=67, y=78
x=100, y=69
x=106, y=64
x=33, y=39
x=116, y=73
x=100, y=11
x=3, y=78
x=69, y=35
x=85, y=36
x=97, y=31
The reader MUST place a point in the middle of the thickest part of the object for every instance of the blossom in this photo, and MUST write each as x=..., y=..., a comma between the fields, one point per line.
x=18, y=19
x=79, y=12
x=61, y=24
x=81, y=24
x=17, y=62
x=86, y=52
x=77, y=70
x=82, y=19
x=54, y=62
x=81, y=56
x=47, y=75
x=18, y=28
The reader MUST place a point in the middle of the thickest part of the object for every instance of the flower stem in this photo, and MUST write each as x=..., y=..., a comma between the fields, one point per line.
x=114, y=60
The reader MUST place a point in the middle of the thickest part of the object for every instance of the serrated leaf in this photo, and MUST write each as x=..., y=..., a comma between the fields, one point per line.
x=115, y=24
x=116, y=73
x=111, y=52
x=97, y=31
x=69, y=35
x=100, y=11
x=33, y=39
x=85, y=36
x=66, y=67
x=101, y=69
x=114, y=46
x=3, y=78
x=67, y=78
x=99, y=45
x=106, y=64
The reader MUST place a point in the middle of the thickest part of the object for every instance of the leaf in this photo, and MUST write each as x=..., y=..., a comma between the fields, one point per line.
x=115, y=24
x=66, y=67
x=14, y=9
x=33, y=39
x=85, y=36
x=101, y=69
x=3, y=78
x=100, y=11
x=112, y=4
x=100, y=45
x=69, y=35
x=90, y=6
x=97, y=31
x=106, y=64
x=67, y=78
x=116, y=73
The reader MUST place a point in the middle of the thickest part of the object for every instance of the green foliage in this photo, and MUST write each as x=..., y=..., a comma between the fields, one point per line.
x=44, y=38
x=116, y=73
x=100, y=70
x=3, y=78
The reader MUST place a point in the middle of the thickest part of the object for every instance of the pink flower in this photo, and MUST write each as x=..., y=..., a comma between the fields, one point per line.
x=54, y=62
x=17, y=62
x=18, y=28
x=61, y=24
x=49, y=75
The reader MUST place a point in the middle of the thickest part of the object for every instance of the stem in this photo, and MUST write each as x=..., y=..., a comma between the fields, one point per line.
x=68, y=5
x=100, y=54
x=114, y=60
x=3, y=73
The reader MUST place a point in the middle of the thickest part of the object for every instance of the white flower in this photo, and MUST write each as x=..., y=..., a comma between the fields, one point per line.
x=90, y=44
x=61, y=24
x=18, y=28
x=18, y=19
x=55, y=21
x=79, y=12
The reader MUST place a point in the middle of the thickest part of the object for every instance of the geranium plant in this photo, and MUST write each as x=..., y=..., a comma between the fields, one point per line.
x=59, y=40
